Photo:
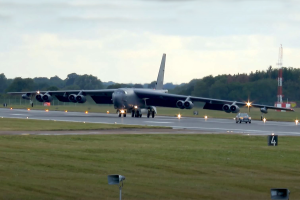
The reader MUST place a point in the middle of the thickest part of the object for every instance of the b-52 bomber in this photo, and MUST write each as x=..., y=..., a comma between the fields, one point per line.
x=142, y=101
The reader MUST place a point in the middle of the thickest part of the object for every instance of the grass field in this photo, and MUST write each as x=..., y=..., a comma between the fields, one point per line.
x=50, y=125
x=254, y=112
x=176, y=167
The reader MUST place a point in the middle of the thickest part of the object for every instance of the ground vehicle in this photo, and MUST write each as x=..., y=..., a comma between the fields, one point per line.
x=243, y=117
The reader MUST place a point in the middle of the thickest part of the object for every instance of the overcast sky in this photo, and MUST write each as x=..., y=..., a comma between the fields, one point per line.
x=123, y=40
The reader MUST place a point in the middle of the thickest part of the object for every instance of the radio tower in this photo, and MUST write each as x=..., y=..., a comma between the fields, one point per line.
x=279, y=64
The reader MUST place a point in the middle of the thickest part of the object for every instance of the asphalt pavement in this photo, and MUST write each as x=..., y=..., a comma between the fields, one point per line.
x=210, y=125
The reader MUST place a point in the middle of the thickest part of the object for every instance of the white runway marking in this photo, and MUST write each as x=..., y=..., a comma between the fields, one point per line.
x=17, y=114
x=158, y=122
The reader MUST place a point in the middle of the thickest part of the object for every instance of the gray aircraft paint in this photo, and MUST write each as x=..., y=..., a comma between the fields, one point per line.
x=160, y=78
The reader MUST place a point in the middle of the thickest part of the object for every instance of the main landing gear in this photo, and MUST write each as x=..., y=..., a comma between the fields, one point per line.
x=151, y=112
x=122, y=112
x=136, y=113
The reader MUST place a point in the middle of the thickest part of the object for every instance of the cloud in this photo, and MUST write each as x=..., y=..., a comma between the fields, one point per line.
x=114, y=55
x=4, y=17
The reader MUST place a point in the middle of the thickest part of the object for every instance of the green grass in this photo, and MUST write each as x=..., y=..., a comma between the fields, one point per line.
x=156, y=167
x=8, y=124
x=254, y=112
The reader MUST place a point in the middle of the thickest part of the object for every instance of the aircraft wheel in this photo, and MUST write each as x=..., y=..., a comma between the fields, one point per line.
x=148, y=114
x=124, y=115
x=240, y=121
x=120, y=115
x=250, y=122
x=236, y=121
x=246, y=122
x=153, y=114
x=132, y=113
x=141, y=115
x=137, y=114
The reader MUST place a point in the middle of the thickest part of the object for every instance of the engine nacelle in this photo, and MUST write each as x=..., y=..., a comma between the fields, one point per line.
x=47, y=98
x=25, y=96
x=234, y=109
x=180, y=104
x=39, y=98
x=72, y=98
x=226, y=108
x=80, y=99
x=188, y=104
x=264, y=110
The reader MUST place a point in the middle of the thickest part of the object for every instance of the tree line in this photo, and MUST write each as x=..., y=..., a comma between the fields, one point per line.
x=258, y=86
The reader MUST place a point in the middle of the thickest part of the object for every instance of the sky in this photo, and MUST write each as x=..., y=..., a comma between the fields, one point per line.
x=123, y=40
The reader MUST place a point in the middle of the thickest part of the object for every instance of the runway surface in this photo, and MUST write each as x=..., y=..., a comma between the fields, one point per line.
x=189, y=124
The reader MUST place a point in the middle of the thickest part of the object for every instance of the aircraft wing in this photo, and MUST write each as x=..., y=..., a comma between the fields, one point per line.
x=99, y=96
x=154, y=98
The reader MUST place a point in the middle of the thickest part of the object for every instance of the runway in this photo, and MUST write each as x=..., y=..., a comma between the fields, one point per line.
x=186, y=123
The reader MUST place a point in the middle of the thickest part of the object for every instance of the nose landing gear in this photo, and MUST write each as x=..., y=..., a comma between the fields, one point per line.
x=122, y=112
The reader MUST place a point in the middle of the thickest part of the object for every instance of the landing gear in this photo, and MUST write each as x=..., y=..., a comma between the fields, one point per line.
x=137, y=113
x=153, y=114
x=120, y=113
x=132, y=113
x=148, y=114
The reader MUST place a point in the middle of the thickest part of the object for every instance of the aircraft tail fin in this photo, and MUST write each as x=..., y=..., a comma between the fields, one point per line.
x=160, y=78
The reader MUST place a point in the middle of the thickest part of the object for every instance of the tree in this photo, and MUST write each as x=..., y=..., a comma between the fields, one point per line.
x=3, y=83
x=21, y=85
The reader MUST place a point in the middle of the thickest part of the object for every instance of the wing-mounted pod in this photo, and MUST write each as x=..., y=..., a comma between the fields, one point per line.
x=234, y=108
x=80, y=99
x=226, y=108
x=188, y=104
x=39, y=97
x=72, y=98
x=264, y=110
x=47, y=97
x=180, y=104
x=26, y=96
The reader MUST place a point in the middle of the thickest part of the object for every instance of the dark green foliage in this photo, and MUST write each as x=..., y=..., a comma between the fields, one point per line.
x=259, y=86
x=20, y=85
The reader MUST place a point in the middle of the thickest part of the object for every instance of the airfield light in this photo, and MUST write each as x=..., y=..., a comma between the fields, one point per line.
x=273, y=134
x=264, y=120
x=28, y=109
x=27, y=117
x=179, y=116
x=11, y=108
x=66, y=111
x=47, y=110
x=107, y=112
x=86, y=112
x=296, y=121
x=84, y=122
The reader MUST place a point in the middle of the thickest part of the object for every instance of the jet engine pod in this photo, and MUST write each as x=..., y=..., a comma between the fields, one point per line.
x=47, y=98
x=72, y=98
x=188, y=104
x=234, y=109
x=80, y=99
x=180, y=104
x=264, y=110
x=39, y=98
x=226, y=108
x=115, y=179
x=25, y=96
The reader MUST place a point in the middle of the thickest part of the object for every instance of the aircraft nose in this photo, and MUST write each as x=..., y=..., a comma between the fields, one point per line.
x=118, y=100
